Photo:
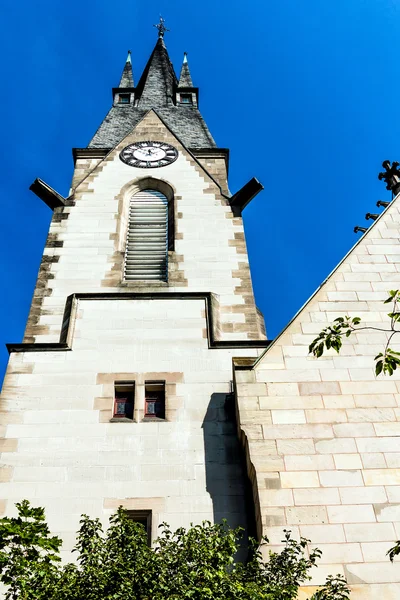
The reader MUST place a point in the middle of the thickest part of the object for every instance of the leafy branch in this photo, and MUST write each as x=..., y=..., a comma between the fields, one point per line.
x=332, y=336
x=199, y=563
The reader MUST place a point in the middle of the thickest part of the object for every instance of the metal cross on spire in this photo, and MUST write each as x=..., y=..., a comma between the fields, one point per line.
x=161, y=27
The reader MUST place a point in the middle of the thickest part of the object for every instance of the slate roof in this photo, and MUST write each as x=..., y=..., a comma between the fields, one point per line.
x=156, y=89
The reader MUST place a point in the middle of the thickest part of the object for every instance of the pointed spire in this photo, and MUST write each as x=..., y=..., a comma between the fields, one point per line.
x=127, y=75
x=157, y=84
x=185, y=79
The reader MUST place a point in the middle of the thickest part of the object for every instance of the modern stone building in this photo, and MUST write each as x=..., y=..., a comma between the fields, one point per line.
x=145, y=378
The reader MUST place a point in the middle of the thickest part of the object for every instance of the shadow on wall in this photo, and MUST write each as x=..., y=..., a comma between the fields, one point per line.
x=226, y=477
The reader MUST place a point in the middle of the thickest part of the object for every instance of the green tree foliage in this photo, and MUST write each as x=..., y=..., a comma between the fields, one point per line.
x=395, y=551
x=194, y=564
x=331, y=337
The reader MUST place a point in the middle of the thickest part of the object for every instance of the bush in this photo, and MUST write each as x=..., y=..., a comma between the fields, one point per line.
x=194, y=564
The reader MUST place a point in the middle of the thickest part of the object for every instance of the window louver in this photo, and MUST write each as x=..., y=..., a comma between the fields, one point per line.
x=146, y=248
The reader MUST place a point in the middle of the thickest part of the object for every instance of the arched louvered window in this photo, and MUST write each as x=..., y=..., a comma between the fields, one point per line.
x=147, y=239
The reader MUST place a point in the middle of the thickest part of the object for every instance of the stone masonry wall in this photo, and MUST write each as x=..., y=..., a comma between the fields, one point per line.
x=85, y=247
x=60, y=450
x=323, y=435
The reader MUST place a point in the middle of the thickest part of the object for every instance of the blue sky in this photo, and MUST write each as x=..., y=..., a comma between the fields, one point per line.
x=305, y=95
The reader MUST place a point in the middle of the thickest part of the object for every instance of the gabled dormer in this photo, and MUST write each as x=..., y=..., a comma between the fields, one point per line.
x=124, y=94
x=186, y=94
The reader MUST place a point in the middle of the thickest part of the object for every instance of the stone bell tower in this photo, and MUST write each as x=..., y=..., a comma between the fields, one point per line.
x=119, y=393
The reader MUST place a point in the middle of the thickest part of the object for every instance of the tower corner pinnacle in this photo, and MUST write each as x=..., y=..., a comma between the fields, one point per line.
x=185, y=79
x=126, y=80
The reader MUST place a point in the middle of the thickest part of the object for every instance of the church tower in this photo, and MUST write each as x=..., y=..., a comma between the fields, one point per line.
x=120, y=392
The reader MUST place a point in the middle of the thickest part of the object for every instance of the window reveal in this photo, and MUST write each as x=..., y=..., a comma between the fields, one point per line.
x=186, y=99
x=154, y=399
x=124, y=400
x=124, y=98
x=144, y=518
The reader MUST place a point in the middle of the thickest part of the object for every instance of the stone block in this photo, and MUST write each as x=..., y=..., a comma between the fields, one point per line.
x=292, y=375
x=375, y=551
x=295, y=402
x=316, y=497
x=374, y=445
x=326, y=416
x=372, y=573
x=274, y=517
x=265, y=463
x=336, y=446
x=297, y=431
x=373, y=387
x=340, y=478
x=288, y=416
x=295, y=446
x=348, y=462
x=370, y=415
x=303, y=515
x=381, y=477
x=324, y=534
x=339, y=553
x=319, y=388
x=392, y=460
x=310, y=462
x=355, y=430
x=299, y=479
x=374, y=460
x=319, y=573
x=393, y=493
x=362, y=513
x=362, y=495
x=276, y=535
x=387, y=513
x=8, y=445
x=282, y=389
x=276, y=497
x=387, y=429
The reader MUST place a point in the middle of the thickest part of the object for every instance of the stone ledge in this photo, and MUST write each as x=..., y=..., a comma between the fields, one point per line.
x=72, y=300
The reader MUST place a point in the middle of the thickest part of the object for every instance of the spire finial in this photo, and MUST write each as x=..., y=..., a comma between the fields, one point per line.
x=161, y=27
x=128, y=58
x=184, y=57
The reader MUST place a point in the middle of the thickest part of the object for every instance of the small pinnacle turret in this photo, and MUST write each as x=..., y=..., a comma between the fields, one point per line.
x=127, y=75
x=185, y=79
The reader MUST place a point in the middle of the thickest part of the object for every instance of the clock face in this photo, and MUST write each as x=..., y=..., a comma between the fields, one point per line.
x=149, y=154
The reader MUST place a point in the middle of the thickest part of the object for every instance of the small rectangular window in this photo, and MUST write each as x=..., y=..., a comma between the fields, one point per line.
x=186, y=99
x=154, y=392
x=124, y=399
x=144, y=518
x=124, y=98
